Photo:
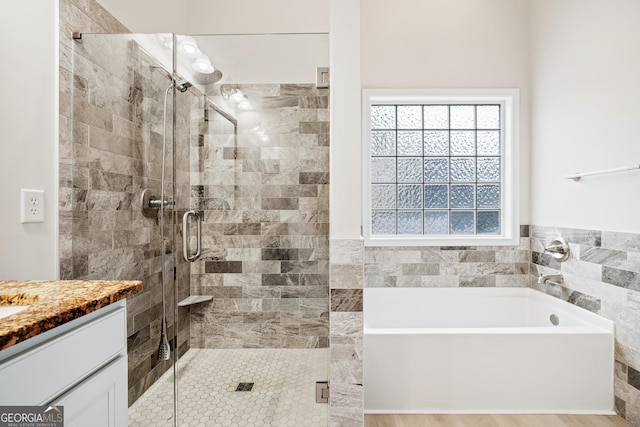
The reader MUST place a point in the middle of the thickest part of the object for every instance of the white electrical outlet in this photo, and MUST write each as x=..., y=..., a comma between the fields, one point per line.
x=32, y=206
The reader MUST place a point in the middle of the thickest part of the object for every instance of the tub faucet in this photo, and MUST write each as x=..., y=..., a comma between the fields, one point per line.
x=554, y=279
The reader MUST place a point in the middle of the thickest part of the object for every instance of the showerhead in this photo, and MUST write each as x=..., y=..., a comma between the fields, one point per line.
x=207, y=79
x=182, y=87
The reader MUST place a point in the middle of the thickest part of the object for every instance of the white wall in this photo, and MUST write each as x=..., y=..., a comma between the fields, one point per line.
x=28, y=135
x=346, y=157
x=151, y=16
x=585, y=112
x=267, y=58
x=258, y=16
x=221, y=16
x=450, y=44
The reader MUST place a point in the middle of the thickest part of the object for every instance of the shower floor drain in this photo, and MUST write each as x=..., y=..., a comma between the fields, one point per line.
x=244, y=387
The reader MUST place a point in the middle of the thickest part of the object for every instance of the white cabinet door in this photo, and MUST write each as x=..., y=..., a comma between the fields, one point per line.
x=100, y=400
x=73, y=352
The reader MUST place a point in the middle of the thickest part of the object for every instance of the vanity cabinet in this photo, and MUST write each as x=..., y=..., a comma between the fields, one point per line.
x=81, y=365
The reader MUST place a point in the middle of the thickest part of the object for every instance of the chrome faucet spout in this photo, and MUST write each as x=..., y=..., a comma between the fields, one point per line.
x=554, y=279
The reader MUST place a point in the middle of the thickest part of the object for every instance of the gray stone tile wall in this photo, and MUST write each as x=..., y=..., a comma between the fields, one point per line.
x=347, y=322
x=264, y=196
x=110, y=150
x=601, y=276
x=469, y=266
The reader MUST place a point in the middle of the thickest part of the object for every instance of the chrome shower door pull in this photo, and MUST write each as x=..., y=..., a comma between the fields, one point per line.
x=185, y=236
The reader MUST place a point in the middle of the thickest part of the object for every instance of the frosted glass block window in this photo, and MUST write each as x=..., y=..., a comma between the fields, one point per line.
x=436, y=170
x=383, y=170
x=410, y=196
x=383, y=117
x=463, y=169
x=463, y=196
x=488, y=222
x=436, y=116
x=409, y=117
x=436, y=222
x=488, y=143
x=462, y=117
x=436, y=196
x=383, y=222
x=441, y=167
x=436, y=143
x=489, y=196
x=409, y=170
x=463, y=143
x=462, y=222
x=409, y=143
x=383, y=143
x=410, y=222
x=488, y=169
x=383, y=196
x=488, y=117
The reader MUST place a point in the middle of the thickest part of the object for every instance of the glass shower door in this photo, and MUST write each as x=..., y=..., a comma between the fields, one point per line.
x=116, y=159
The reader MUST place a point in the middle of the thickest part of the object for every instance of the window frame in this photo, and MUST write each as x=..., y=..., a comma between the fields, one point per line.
x=509, y=99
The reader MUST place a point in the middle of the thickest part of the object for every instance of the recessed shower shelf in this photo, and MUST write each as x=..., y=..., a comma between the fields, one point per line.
x=195, y=299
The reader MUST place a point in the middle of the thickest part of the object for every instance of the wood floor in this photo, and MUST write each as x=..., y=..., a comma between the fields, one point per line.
x=494, y=421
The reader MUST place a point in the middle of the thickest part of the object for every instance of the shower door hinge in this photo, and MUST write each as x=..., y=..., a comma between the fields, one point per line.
x=322, y=77
x=322, y=392
x=175, y=273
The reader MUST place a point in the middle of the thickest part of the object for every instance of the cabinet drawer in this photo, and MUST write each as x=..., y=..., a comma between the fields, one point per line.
x=40, y=374
x=99, y=401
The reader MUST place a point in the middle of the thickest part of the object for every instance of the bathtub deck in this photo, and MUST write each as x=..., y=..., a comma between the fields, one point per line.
x=494, y=421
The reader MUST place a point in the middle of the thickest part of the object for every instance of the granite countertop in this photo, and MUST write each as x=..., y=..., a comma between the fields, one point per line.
x=53, y=303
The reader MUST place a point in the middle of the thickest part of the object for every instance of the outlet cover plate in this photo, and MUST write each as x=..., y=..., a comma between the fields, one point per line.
x=32, y=206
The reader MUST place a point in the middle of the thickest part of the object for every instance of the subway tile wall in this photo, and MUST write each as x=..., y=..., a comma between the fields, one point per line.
x=347, y=322
x=602, y=275
x=264, y=195
x=454, y=266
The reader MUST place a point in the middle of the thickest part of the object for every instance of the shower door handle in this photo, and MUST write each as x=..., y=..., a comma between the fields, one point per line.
x=185, y=236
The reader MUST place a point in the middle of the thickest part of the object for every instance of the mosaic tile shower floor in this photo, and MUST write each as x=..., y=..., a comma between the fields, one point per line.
x=283, y=393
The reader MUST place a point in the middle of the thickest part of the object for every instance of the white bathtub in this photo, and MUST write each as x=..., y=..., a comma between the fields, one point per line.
x=484, y=350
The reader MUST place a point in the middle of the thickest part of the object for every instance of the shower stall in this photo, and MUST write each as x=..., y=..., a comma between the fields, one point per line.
x=199, y=164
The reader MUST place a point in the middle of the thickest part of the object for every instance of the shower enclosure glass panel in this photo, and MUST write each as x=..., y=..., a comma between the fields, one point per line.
x=259, y=177
x=241, y=141
x=122, y=129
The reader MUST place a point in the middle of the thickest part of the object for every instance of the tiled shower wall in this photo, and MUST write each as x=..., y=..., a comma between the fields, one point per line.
x=111, y=127
x=603, y=276
x=265, y=199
